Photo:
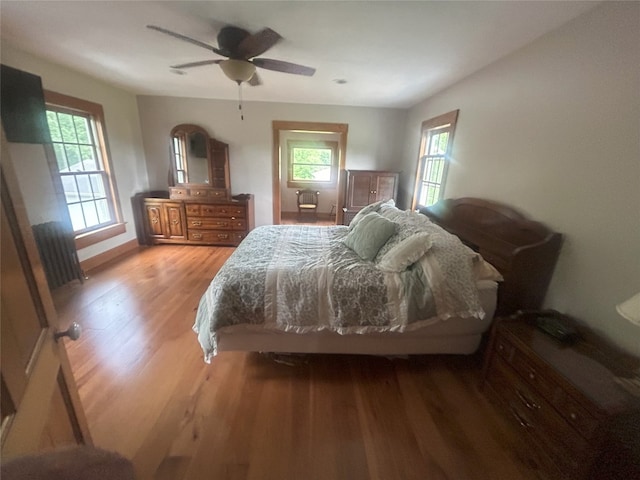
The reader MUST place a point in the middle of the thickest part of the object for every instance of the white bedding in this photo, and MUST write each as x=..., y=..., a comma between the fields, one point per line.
x=457, y=336
x=289, y=282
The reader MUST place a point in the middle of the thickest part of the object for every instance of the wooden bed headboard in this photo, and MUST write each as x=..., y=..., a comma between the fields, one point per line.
x=524, y=251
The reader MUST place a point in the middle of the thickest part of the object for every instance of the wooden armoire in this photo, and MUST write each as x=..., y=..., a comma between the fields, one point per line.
x=368, y=186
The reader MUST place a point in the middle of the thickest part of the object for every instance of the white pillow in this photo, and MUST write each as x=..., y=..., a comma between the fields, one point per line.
x=405, y=253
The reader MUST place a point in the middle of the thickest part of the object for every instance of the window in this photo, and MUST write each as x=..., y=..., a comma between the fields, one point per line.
x=82, y=166
x=433, y=159
x=312, y=164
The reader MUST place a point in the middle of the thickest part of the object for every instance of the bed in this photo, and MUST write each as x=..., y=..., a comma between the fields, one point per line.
x=392, y=283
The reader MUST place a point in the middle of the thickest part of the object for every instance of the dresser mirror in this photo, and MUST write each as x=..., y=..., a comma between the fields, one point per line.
x=199, y=165
x=190, y=156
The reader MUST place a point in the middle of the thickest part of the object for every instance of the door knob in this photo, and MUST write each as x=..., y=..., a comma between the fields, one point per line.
x=73, y=332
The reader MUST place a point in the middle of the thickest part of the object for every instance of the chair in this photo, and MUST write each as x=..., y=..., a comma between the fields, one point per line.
x=307, y=204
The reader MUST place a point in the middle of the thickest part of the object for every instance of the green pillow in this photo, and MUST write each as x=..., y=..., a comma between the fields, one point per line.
x=369, y=234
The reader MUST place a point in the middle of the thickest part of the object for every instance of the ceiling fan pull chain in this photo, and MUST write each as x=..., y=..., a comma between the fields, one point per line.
x=240, y=100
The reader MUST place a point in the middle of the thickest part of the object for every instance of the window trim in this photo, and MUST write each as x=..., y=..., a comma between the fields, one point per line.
x=76, y=105
x=333, y=145
x=427, y=128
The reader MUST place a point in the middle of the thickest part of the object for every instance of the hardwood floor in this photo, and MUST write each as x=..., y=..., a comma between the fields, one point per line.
x=149, y=395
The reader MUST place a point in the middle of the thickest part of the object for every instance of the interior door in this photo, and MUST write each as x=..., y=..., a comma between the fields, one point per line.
x=40, y=405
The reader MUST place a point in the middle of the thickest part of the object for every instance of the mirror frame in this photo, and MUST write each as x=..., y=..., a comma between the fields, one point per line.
x=183, y=131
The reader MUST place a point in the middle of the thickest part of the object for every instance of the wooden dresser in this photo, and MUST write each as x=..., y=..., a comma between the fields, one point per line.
x=368, y=186
x=574, y=417
x=195, y=222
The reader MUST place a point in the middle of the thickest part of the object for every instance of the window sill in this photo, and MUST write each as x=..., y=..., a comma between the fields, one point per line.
x=311, y=185
x=97, y=236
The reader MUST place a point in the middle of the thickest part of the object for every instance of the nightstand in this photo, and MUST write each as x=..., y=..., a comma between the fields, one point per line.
x=575, y=418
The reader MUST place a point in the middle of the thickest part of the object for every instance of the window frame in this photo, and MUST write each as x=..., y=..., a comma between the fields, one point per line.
x=428, y=129
x=314, y=184
x=93, y=111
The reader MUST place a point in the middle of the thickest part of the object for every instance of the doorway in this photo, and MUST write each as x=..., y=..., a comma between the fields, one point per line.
x=281, y=129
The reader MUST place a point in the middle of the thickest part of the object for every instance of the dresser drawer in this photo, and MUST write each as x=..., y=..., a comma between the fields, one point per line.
x=210, y=223
x=178, y=193
x=208, y=192
x=532, y=413
x=213, y=210
x=216, y=237
x=231, y=211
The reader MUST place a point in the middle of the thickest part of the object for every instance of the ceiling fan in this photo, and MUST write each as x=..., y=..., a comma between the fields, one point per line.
x=241, y=47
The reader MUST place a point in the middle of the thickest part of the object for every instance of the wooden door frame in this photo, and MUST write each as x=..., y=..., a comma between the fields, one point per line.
x=280, y=126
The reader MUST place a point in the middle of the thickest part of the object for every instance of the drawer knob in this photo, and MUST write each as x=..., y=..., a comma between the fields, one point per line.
x=197, y=236
x=223, y=236
x=573, y=416
x=532, y=375
x=500, y=347
x=196, y=224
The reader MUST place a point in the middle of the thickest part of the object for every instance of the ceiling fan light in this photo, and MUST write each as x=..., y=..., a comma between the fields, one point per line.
x=238, y=70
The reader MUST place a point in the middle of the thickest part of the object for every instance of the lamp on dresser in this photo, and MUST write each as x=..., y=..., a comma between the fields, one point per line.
x=630, y=309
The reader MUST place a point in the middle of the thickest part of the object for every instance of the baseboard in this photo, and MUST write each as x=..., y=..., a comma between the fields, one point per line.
x=105, y=257
x=295, y=216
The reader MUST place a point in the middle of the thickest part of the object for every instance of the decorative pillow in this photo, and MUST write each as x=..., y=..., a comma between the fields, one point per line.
x=408, y=224
x=405, y=253
x=391, y=212
x=373, y=207
x=483, y=270
x=369, y=234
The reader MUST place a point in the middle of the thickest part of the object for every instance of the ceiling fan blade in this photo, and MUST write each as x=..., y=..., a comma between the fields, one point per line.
x=196, y=64
x=286, y=67
x=255, y=80
x=257, y=44
x=188, y=39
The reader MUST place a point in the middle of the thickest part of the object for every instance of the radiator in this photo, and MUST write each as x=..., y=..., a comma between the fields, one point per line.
x=58, y=253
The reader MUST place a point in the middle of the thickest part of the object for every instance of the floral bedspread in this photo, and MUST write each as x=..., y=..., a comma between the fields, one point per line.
x=297, y=278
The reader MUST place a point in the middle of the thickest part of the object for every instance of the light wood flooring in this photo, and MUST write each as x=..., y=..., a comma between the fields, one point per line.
x=149, y=395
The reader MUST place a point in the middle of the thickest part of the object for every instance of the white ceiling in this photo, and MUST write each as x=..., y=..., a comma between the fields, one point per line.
x=392, y=54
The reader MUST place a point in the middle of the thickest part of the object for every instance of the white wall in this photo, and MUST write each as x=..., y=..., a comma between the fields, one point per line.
x=374, y=138
x=554, y=129
x=123, y=136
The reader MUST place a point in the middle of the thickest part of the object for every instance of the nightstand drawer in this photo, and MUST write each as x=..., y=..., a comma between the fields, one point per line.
x=532, y=372
x=533, y=414
x=577, y=416
x=528, y=370
x=563, y=398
